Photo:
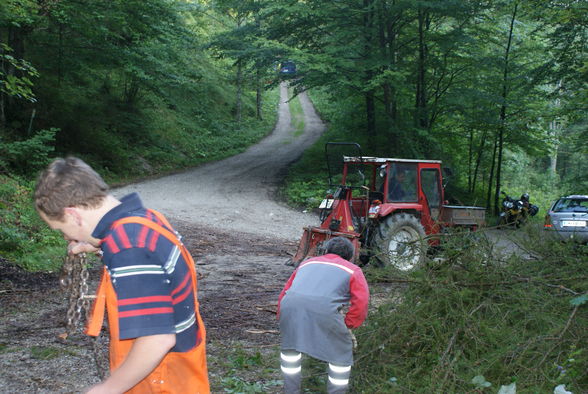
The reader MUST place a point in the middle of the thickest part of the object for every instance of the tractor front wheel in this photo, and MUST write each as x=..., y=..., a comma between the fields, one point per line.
x=400, y=242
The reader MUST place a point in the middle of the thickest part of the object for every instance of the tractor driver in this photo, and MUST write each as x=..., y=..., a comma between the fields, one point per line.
x=395, y=190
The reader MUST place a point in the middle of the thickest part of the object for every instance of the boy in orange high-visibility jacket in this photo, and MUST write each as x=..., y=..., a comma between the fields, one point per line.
x=148, y=286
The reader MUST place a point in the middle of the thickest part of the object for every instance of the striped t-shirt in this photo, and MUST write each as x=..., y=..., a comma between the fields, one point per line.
x=153, y=283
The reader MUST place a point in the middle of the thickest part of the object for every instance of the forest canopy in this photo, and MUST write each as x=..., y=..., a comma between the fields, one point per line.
x=497, y=90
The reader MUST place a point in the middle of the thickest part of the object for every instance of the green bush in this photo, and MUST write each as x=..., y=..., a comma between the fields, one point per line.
x=27, y=156
x=474, y=315
x=24, y=237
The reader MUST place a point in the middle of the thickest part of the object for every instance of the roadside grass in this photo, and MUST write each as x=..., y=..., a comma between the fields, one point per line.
x=296, y=114
x=476, y=318
x=44, y=353
x=237, y=367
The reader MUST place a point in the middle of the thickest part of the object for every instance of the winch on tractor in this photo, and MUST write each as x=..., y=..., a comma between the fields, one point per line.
x=390, y=209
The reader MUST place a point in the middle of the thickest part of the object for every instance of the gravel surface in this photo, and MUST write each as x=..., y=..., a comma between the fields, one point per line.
x=239, y=235
x=237, y=193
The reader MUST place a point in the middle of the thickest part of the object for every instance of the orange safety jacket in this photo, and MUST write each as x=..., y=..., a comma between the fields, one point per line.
x=177, y=373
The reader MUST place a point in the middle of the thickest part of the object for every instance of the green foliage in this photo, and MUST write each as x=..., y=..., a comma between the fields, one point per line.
x=478, y=317
x=242, y=359
x=24, y=237
x=27, y=156
x=19, y=86
x=307, y=194
x=242, y=370
x=236, y=385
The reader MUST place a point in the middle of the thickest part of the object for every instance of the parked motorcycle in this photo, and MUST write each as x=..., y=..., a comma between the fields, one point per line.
x=515, y=212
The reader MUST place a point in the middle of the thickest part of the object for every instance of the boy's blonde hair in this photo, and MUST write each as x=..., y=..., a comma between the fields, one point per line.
x=68, y=182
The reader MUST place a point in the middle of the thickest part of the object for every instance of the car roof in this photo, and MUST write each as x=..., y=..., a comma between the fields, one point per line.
x=382, y=160
x=577, y=196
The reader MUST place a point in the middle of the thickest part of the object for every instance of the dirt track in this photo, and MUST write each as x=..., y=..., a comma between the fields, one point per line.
x=239, y=234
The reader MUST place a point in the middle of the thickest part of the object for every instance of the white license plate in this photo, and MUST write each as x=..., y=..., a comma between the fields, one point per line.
x=573, y=223
x=326, y=203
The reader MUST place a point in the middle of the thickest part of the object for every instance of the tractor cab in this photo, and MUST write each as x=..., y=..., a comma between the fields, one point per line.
x=387, y=207
x=381, y=186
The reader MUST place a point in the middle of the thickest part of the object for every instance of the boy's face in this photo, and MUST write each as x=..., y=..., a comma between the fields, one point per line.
x=70, y=226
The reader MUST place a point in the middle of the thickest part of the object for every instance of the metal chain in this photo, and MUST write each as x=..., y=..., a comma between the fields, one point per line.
x=74, y=280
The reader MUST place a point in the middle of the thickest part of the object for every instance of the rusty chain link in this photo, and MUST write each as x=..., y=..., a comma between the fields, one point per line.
x=74, y=280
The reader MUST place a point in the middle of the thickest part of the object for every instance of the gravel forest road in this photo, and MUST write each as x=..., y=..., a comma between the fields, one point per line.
x=237, y=194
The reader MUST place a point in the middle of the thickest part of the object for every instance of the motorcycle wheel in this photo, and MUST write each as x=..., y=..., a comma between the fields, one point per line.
x=502, y=221
x=400, y=242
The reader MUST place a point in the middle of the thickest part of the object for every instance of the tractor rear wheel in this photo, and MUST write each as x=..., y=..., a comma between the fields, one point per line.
x=400, y=242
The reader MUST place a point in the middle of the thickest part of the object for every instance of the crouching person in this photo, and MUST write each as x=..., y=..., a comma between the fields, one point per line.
x=148, y=286
x=311, y=322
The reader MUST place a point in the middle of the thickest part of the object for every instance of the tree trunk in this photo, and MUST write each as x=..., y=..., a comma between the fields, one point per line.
x=258, y=93
x=470, y=159
x=555, y=127
x=258, y=76
x=131, y=90
x=491, y=177
x=60, y=55
x=503, y=108
x=387, y=37
x=421, y=116
x=16, y=42
x=553, y=156
x=370, y=104
x=479, y=160
x=2, y=95
x=238, y=104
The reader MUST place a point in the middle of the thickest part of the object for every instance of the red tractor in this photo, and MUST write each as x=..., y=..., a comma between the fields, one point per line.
x=389, y=208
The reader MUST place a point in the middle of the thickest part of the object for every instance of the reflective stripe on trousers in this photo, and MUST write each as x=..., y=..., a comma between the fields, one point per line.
x=291, y=366
x=338, y=378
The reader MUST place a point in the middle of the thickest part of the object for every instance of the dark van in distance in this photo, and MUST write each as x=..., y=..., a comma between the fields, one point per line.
x=288, y=68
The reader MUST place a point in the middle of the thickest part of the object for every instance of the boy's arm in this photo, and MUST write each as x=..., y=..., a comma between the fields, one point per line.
x=145, y=354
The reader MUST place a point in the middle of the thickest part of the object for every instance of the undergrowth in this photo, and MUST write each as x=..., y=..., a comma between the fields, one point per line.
x=24, y=238
x=235, y=368
x=477, y=318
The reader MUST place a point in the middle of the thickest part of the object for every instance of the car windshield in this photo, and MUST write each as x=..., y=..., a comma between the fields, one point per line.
x=571, y=205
